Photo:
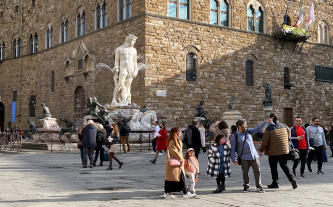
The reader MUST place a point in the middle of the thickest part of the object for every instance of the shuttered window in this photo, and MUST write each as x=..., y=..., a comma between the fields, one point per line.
x=324, y=74
x=249, y=73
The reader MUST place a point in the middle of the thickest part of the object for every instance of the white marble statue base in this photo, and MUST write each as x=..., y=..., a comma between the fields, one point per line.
x=49, y=123
x=230, y=117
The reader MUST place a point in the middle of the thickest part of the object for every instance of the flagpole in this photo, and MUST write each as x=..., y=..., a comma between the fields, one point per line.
x=286, y=15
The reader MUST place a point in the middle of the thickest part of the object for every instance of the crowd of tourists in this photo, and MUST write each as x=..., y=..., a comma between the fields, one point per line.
x=279, y=142
x=302, y=144
x=103, y=140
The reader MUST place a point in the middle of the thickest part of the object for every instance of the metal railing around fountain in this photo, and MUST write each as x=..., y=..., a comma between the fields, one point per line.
x=10, y=140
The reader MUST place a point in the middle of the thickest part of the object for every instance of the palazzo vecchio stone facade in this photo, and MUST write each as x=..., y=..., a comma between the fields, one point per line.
x=61, y=73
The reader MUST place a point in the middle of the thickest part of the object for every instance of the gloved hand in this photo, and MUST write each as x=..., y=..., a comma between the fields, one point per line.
x=204, y=149
x=311, y=148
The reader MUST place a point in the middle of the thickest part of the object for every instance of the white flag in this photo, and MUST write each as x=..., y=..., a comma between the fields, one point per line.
x=300, y=16
x=311, y=17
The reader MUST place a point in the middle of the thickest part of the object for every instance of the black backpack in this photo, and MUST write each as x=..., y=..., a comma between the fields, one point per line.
x=188, y=137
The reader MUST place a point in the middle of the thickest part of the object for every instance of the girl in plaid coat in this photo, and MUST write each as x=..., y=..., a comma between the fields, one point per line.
x=219, y=162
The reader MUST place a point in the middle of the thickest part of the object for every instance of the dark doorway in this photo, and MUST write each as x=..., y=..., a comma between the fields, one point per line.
x=288, y=117
x=2, y=117
x=80, y=103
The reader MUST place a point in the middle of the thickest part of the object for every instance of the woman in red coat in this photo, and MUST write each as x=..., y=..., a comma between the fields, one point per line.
x=161, y=142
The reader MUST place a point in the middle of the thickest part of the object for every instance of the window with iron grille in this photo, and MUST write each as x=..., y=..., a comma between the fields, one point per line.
x=249, y=73
x=32, y=106
x=191, y=67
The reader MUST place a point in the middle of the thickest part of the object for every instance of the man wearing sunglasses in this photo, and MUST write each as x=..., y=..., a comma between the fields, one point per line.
x=300, y=142
x=316, y=137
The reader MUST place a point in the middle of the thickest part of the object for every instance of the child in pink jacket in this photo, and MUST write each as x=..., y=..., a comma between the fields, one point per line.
x=192, y=168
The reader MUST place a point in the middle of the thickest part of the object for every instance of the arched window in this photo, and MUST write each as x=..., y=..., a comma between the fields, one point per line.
x=224, y=13
x=213, y=12
x=179, y=9
x=191, y=66
x=125, y=9
x=81, y=24
x=249, y=73
x=2, y=50
x=286, y=79
x=33, y=43
x=250, y=18
x=16, y=48
x=323, y=34
x=64, y=31
x=101, y=19
x=259, y=20
x=255, y=18
x=49, y=37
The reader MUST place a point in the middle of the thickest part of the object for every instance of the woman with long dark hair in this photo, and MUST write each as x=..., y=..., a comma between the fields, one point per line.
x=113, y=146
x=175, y=174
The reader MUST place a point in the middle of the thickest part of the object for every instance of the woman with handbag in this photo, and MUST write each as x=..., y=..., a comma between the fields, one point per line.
x=113, y=140
x=174, y=166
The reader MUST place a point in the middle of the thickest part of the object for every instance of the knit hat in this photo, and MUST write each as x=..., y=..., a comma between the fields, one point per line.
x=190, y=149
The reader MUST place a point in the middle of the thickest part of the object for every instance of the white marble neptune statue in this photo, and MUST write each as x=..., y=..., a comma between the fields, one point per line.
x=124, y=71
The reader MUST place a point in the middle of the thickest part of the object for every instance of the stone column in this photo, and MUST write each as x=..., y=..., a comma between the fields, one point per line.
x=267, y=110
x=230, y=117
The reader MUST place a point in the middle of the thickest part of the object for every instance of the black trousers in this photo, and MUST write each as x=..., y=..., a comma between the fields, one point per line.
x=197, y=151
x=220, y=180
x=303, y=154
x=88, y=151
x=153, y=143
x=100, y=151
x=319, y=152
x=282, y=160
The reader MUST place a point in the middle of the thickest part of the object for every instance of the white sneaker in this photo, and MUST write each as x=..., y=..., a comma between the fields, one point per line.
x=153, y=153
x=168, y=195
x=160, y=153
x=189, y=195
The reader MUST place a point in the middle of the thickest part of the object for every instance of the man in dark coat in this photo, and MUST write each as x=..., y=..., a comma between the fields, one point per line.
x=101, y=142
x=196, y=140
x=89, y=133
x=124, y=132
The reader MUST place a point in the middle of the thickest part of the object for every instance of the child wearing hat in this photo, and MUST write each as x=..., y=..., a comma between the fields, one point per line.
x=191, y=168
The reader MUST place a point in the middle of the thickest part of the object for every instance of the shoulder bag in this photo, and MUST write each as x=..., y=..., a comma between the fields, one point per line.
x=239, y=158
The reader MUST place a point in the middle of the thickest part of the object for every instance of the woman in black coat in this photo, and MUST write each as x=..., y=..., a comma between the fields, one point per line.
x=101, y=142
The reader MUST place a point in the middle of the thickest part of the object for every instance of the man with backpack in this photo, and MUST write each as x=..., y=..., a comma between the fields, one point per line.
x=192, y=139
x=242, y=142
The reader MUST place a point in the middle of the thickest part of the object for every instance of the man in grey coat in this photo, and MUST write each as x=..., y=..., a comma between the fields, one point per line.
x=316, y=136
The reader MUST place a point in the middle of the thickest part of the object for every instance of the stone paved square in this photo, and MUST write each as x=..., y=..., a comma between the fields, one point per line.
x=58, y=179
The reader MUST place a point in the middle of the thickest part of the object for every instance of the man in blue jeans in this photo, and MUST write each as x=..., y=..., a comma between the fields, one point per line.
x=247, y=152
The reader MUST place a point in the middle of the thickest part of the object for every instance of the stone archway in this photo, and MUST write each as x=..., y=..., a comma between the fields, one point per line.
x=2, y=117
x=79, y=103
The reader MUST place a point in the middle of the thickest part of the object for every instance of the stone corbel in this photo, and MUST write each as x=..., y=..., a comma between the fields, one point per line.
x=68, y=78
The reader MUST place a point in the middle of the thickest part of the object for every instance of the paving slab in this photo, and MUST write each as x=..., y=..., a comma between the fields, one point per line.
x=37, y=178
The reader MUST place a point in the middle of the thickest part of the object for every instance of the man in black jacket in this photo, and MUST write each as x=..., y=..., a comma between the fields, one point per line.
x=196, y=140
x=124, y=132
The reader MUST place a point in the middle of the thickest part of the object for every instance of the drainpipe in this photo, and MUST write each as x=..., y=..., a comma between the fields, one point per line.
x=20, y=72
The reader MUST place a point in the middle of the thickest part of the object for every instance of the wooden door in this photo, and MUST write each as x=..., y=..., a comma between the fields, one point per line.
x=80, y=103
x=288, y=117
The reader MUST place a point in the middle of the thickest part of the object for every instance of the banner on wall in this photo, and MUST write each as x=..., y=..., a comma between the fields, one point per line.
x=14, y=111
